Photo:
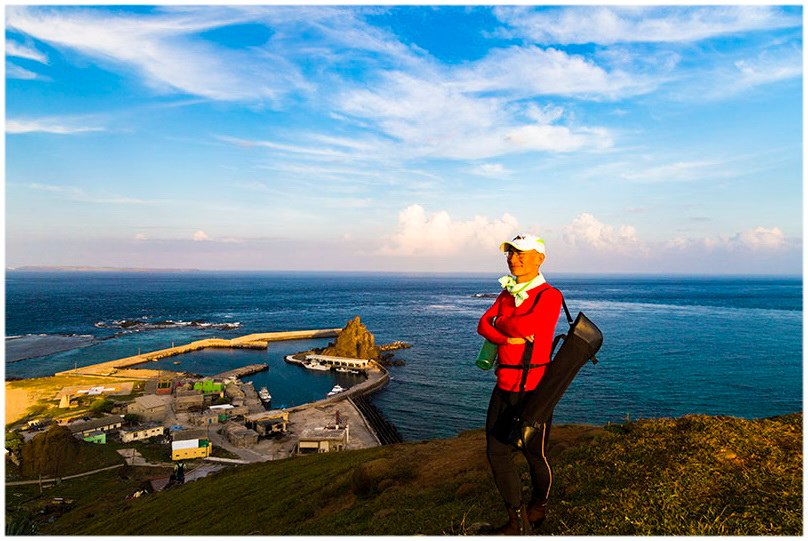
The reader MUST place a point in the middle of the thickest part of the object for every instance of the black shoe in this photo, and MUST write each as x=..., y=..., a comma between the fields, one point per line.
x=536, y=512
x=517, y=523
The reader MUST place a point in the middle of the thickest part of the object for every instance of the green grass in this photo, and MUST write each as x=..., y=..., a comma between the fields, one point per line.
x=696, y=475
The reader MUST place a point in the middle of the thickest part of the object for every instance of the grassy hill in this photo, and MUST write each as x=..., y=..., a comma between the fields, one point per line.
x=687, y=476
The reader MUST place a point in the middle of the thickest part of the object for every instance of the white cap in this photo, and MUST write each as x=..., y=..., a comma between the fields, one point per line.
x=524, y=242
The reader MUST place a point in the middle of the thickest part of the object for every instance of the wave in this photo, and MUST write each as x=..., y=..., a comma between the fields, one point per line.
x=695, y=309
x=30, y=346
x=142, y=325
x=43, y=335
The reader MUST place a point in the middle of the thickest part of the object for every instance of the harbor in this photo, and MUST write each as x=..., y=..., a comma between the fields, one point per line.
x=200, y=413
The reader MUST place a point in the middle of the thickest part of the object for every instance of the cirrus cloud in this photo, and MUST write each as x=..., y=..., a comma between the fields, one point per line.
x=607, y=25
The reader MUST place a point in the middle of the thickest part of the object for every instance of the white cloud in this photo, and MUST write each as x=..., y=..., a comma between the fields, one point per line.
x=23, y=51
x=160, y=49
x=432, y=118
x=14, y=71
x=141, y=237
x=48, y=125
x=439, y=234
x=760, y=238
x=755, y=239
x=587, y=231
x=282, y=147
x=200, y=236
x=769, y=67
x=494, y=170
x=533, y=71
x=607, y=25
x=677, y=171
x=73, y=193
x=558, y=138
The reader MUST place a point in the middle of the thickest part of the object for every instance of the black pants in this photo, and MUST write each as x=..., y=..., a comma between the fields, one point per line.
x=502, y=408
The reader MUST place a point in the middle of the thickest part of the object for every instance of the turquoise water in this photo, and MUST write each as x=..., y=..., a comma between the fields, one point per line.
x=672, y=345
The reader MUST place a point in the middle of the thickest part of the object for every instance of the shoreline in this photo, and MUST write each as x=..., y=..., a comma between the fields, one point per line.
x=20, y=398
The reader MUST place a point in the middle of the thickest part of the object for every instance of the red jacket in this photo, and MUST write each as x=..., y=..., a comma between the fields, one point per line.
x=518, y=322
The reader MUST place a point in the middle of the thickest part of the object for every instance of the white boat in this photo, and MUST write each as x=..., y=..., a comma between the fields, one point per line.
x=347, y=370
x=336, y=390
x=314, y=365
x=264, y=395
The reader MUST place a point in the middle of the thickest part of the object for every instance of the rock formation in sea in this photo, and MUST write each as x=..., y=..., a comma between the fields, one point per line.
x=354, y=341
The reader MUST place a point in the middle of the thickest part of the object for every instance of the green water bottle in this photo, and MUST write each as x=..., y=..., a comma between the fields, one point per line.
x=487, y=355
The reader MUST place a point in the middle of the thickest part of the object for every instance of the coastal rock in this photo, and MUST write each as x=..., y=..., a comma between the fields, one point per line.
x=398, y=344
x=354, y=341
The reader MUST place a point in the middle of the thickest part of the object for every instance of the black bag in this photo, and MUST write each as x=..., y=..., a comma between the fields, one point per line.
x=580, y=345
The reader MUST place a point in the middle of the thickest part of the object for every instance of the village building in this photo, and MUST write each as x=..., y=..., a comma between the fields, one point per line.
x=148, y=407
x=107, y=423
x=208, y=386
x=234, y=391
x=323, y=440
x=164, y=386
x=191, y=443
x=203, y=418
x=143, y=432
x=96, y=437
x=189, y=449
x=187, y=400
x=239, y=435
x=268, y=422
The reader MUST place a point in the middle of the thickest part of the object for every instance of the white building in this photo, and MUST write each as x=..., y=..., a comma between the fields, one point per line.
x=141, y=433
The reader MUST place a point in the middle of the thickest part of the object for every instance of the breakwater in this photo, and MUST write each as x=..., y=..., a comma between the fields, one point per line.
x=250, y=341
x=384, y=429
x=242, y=371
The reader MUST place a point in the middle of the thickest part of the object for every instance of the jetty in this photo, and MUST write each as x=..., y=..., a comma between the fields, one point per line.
x=250, y=341
x=242, y=371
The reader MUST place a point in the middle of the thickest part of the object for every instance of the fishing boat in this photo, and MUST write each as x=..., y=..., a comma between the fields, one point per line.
x=314, y=365
x=264, y=395
x=344, y=370
x=336, y=390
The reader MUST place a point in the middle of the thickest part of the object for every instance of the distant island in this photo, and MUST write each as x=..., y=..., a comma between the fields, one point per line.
x=91, y=269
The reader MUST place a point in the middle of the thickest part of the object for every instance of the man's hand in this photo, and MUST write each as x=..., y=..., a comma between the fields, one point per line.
x=527, y=433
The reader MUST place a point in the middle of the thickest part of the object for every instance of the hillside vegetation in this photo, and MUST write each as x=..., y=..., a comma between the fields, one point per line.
x=695, y=475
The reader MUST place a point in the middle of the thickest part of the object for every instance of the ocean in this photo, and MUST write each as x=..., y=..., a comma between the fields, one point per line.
x=672, y=345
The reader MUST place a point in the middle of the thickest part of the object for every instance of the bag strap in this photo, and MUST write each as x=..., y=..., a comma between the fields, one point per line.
x=528, y=352
x=566, y=310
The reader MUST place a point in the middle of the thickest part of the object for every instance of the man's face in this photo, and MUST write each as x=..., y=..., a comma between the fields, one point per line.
x=524, y=263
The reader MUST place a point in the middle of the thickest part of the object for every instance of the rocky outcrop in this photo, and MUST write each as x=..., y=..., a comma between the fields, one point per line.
x=354, y=341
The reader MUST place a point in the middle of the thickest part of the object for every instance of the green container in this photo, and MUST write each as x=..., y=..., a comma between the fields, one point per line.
x=487, y=356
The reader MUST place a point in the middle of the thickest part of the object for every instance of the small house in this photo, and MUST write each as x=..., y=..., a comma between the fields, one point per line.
x=149, y=407
x=323, y=440
x=107, y=423
x=188, y=449
x=96, y=437
x=143, y=432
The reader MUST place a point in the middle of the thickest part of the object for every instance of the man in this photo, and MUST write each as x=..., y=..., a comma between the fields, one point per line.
x=521, y=322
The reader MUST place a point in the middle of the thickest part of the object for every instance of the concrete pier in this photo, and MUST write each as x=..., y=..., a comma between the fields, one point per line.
x=250, y=341
x=242, y=371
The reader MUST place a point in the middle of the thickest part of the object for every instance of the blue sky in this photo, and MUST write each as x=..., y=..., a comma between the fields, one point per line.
x=653, y=140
